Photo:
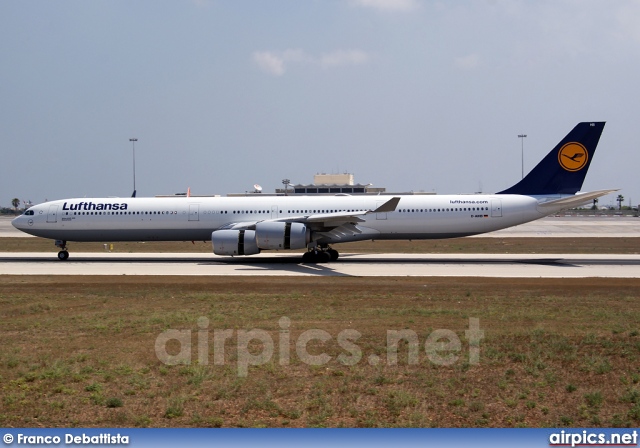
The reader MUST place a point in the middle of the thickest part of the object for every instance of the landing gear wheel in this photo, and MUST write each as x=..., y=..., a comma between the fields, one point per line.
x=63, y=254
x=333, y=253
x=318, y=256
x=315, y=256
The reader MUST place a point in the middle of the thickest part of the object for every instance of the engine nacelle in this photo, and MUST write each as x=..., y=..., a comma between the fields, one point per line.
x=234, y=242
x=282, y=235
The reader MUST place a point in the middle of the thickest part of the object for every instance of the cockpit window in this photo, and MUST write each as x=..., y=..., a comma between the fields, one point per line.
x=29, y=213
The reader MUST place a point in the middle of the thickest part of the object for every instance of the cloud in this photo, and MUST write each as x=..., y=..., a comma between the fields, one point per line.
x=468, y=62
x=387, y=5
x=627, y=17
x=276, y=63
x=269, y=62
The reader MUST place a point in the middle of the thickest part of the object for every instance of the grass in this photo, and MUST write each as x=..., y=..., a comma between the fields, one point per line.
x=79, y=350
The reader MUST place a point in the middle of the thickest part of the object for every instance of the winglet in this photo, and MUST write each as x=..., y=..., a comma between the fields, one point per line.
x=388, y=206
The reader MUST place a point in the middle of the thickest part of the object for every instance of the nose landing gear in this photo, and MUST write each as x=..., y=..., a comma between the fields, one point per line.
x=63, y=255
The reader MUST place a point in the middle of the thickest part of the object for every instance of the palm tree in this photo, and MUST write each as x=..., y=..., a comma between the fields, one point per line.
x=620, y=198
x=15, y=202
x=595, y=206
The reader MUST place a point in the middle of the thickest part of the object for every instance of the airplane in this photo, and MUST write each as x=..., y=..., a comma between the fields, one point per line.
x=250, y=225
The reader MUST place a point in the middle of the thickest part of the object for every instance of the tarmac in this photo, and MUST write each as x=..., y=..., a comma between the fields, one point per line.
x=360, y=265
x=274, y=264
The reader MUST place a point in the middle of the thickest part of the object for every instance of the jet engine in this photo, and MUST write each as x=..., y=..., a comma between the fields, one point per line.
x=234, y=242
x=282, y=235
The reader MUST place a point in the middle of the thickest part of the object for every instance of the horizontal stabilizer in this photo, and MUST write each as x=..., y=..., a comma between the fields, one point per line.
x=573, y=201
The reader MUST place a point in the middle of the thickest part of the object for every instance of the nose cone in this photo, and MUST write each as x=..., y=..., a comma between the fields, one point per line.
x=20, y=222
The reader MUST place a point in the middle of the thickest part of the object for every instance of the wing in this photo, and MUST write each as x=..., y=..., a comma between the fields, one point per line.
x=323, y=222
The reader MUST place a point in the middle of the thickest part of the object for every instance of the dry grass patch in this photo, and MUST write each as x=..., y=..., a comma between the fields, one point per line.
x=79, y=351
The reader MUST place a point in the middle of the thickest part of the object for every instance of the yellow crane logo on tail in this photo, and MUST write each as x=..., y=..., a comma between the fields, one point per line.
x=573, y=156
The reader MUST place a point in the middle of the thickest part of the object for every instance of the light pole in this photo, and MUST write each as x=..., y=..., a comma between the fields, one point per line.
x=133, y=142
x=522, y=137
x=286, y=183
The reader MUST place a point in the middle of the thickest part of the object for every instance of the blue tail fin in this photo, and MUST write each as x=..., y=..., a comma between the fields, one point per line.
x=563, y=170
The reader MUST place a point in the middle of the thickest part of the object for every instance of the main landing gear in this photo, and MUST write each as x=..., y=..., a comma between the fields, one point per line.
x=63, y=255
x=320, y=255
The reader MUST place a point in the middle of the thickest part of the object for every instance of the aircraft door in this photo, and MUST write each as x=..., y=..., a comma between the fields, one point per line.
x=496, y=208
x=194, y=212
x=53, y=214
x=274, y=211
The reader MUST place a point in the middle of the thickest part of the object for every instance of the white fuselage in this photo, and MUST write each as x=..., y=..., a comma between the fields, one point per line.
x=195, y=218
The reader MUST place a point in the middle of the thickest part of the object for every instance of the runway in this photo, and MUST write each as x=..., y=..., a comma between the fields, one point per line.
x=358, y=265
x=498, y=265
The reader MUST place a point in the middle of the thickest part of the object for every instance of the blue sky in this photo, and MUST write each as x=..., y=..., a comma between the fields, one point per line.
x=406, y=94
